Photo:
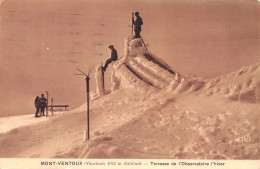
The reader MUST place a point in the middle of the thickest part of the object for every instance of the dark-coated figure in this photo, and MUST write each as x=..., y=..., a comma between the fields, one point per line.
x=37, y=105
x=112, y=58
x=138, y=22
x=43, y=104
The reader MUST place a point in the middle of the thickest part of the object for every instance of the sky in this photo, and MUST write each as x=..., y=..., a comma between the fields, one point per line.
x=43, y=41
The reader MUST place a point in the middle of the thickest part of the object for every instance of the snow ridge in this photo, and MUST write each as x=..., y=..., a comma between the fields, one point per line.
x=142, y=70
x=242, y=85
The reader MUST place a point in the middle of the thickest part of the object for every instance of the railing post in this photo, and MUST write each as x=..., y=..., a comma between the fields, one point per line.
x=52, y=106
x=87, y=83
x=47, y=103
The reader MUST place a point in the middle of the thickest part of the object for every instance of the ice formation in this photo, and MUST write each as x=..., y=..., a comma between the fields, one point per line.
x=99, y=82
x=141, y=70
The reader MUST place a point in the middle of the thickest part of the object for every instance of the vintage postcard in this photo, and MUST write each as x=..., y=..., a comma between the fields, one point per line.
x=130, y=84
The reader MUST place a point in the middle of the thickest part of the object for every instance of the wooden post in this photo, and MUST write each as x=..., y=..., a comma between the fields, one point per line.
x=87, y=83
x=52, y=106
x=47, y=103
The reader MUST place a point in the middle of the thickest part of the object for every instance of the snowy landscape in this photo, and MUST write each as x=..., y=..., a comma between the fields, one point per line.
x=193, y=92
x=150, y=112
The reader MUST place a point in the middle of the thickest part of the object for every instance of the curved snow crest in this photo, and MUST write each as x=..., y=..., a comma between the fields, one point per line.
x=242, y=85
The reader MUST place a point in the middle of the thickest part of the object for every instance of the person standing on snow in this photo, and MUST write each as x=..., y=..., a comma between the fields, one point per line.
x=37, y=105
x=43, y=104
x=138, y=22
x=113, y=57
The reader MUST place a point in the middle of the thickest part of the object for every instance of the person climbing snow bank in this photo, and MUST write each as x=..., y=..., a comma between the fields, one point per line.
x=113, y=57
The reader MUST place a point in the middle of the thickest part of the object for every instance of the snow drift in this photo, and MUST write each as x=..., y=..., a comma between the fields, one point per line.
x=177, y=116
x=153, y=112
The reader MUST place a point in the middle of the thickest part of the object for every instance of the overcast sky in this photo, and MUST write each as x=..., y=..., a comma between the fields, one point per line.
x=42, y=41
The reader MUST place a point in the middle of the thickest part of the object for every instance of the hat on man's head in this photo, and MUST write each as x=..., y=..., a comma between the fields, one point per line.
x=110, y=46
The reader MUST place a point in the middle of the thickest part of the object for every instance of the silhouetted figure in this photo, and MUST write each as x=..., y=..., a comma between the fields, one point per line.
x=37, y=105
x=43, y=104
x=138, y=22
x=113, y=57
